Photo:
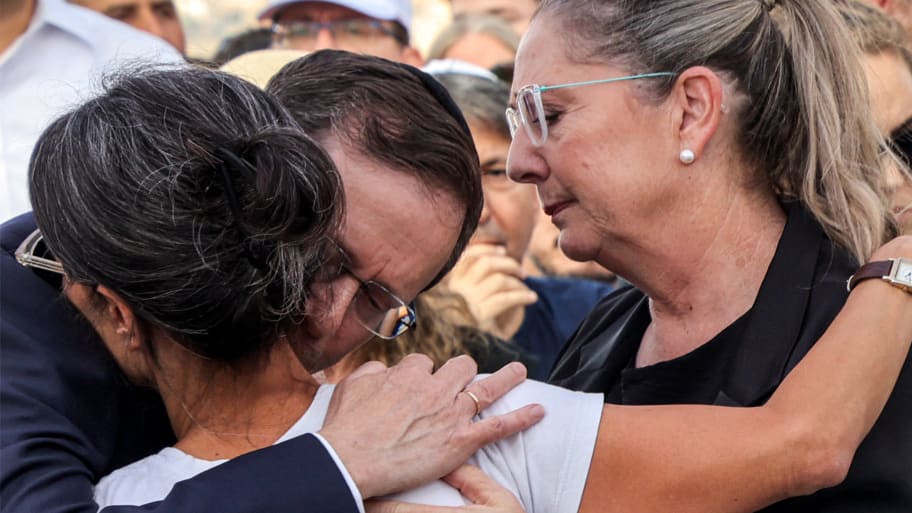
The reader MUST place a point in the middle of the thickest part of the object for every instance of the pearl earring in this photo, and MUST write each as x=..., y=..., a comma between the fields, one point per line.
x=687, y=157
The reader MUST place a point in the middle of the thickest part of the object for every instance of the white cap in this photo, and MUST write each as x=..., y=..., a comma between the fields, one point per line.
x=392, y=10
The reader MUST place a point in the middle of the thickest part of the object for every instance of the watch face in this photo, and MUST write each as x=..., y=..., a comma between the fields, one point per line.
x=904, y=272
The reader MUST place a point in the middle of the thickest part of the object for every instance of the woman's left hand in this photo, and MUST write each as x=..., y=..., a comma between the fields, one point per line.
x=486, y=494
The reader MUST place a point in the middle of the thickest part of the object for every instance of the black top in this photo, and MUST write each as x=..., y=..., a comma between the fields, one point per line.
x=802, y=292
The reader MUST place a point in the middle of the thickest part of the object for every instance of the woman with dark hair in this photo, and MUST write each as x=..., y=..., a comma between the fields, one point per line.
x=216, y=268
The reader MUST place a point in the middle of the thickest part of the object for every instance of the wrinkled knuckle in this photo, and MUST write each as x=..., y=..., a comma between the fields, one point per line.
x=482, y=390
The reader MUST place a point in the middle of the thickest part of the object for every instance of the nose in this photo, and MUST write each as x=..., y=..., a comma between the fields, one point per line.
x=524, y=163
x=325, y=40
x=485, y=211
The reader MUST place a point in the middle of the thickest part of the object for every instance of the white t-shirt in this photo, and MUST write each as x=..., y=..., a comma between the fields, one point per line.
x=54, y=66
x=545, y=466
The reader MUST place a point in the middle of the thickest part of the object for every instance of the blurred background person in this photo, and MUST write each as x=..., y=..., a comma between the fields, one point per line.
x=157, y=17
x=901, y=10
x=374, y=27
x=545, y=258
x=537, y=313
x=887, y=63
x=238, y=44
x=517, y=13
x=52, y=54
x=485, y=41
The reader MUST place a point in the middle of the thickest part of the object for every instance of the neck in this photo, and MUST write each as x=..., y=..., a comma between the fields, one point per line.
x=14, y=20
x=220, y=412
x=702, y=280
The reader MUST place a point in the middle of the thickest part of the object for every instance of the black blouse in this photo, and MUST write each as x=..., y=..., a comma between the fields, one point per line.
x=802, y=292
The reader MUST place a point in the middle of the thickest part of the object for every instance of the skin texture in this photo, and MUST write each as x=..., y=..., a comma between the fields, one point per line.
x=517, y=13
x=489, y=274
x=545, y=258
x=890, y=86
x=385, y=46
x=386, y=243
x=480, y=49
x=157, y=17
x=14, y=20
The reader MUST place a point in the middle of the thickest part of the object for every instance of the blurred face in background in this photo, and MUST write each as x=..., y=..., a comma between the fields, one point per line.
x=510, y=208
x=310, y=26
x=157, y=17
x=890, y=85
x=545, y=257
x=481, y=50
x=517, y=13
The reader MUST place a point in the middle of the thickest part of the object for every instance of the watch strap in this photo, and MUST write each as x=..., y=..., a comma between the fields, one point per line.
x=878, y=269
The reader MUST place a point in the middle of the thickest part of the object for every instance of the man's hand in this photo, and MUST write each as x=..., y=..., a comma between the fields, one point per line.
x=491, y=283
x=401, y=427
x=486, y=495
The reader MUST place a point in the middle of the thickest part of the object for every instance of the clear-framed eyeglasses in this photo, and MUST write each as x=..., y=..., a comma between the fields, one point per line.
x=530, y=111
x=26, y=255
x=351, y=33
x=380, y=311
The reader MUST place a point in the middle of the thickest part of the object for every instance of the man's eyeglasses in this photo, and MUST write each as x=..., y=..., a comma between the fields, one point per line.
x=380, y=311
x=530, y=112
x=353, y=33
x=25, y=255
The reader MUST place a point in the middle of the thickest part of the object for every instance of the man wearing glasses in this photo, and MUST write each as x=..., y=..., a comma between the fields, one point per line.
x=377, y=27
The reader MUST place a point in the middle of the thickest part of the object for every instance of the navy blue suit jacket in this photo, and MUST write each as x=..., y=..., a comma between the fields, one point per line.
x=69, y=417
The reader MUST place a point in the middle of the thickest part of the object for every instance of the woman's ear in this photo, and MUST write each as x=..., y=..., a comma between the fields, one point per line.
x=120, y=316
x=698, y=94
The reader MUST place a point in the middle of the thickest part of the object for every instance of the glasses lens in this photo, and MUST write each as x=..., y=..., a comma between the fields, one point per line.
x=381, y=312
x=298, y=35
x=512, y=121
x=528, y=101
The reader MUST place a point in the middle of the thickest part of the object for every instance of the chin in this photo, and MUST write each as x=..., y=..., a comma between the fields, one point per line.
x=576, y=248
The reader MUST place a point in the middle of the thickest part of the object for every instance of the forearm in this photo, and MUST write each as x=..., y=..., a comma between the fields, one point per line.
x=840, y=388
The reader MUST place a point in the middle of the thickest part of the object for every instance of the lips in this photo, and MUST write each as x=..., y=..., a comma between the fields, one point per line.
x=555, y=208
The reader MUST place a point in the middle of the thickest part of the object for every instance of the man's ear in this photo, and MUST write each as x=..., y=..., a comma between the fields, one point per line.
x=120, y=315
x=411, y=56
x=698, y=93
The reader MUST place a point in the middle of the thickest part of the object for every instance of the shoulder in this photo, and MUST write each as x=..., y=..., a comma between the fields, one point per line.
x=109, y=40
x=555, y=399
x=149, y=479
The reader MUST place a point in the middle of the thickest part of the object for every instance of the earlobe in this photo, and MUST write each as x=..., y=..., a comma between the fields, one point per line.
x=412, y=57
x=120, y=315
x=699, y=95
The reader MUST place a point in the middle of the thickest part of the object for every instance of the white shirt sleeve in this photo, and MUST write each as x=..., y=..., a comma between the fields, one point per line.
x=547, y=465
x=356, y=494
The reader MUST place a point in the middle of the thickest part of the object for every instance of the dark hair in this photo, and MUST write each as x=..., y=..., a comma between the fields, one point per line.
x=195, y=197
x=239, y=44
x=389, y=112
x=482, y=100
